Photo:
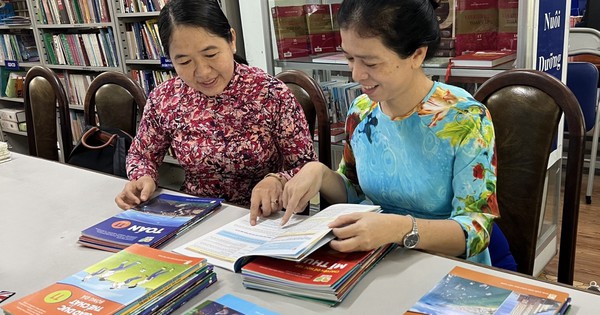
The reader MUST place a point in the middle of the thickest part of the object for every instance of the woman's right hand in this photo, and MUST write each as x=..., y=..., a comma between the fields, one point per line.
x=136, y=192
x=301, y=188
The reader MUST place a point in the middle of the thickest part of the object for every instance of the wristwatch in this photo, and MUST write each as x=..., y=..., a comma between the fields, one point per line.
x=411, y=239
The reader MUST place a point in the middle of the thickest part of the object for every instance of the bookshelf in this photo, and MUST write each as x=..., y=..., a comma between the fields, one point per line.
x=19, y=51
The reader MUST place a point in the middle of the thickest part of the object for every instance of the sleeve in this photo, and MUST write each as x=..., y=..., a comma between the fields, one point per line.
x=474, y=182
x=294, y=140
x=150, y=143
x=347, y=166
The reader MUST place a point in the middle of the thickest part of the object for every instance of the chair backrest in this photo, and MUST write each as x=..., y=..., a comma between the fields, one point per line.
x=114, y=100
x=311, y=97
x=582, y=80
x=584, y=40
x=526, y=107
x=43, y=93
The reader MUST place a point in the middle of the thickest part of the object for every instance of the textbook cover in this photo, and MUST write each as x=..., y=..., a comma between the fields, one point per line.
x=130, y=280
x=325, y=276
x=152, y=223
x=228, y=304
x=464, y=291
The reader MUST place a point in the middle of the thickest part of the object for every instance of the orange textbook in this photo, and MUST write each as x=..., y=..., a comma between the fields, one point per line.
x=131, y=280
x=464, y=291
x=484, y=59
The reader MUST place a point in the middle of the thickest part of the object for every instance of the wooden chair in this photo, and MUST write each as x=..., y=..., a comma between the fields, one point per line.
x=526, y=106
x=114, y=100
x=311, y=97
x=44, y=93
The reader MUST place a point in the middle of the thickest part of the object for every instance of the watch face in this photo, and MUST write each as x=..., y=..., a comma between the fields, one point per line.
x=411, y=240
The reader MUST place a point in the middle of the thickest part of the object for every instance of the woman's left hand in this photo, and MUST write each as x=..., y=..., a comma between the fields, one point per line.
x=364, y=231
x=266, y=198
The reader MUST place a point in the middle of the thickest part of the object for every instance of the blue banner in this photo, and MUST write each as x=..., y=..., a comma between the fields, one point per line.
x=552, y=25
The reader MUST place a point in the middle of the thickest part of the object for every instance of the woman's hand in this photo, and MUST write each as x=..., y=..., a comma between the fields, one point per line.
x=136, y=192
x=301, y=188
x=366, y=231
x=266, y=198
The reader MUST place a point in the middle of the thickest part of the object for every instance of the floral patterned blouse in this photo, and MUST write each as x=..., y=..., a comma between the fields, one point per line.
x=226, y=143
x=437, y=162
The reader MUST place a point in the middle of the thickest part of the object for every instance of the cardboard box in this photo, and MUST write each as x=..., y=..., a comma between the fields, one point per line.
x=293, y=47
x=12, y=114
x=9, y=126
x=289, y=23
x=322, y=43
x=318, y=18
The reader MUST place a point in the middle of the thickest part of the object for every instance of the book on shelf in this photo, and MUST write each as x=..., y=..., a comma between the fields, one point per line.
x=324, y=276
x=467, y=291
x=4, y=153
x=151, y=223
x=232, y=245
x=134, y=280
x=333, y=58
x=338, y=132
x=228, y=304
x=484, y=59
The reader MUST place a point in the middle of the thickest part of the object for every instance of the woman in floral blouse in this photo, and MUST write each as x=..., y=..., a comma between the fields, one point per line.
x=238, y=133
x=419, y=149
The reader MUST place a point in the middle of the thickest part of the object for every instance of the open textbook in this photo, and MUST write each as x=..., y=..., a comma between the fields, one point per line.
x=231, y=245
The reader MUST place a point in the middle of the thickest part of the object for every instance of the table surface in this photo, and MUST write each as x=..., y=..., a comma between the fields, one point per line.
x=45, y=205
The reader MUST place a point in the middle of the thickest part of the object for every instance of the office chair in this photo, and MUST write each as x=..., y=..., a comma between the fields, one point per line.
x=582, y=80
x=526, y=107
x=586, y=41
x=114, y=100
x=311, y=97
x=44, y=93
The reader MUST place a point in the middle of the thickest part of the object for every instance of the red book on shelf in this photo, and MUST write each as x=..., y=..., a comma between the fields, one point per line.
x=484, y=59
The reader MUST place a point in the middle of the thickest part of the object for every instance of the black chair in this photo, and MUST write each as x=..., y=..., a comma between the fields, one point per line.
x=526, y=107
x=114, y=100
x=44, y=93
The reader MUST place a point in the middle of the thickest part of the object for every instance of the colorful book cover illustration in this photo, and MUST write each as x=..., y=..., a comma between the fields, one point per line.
x=326, y=275
x=228, y=304
x=127, y=280
x=152, y=223
x=464, y=291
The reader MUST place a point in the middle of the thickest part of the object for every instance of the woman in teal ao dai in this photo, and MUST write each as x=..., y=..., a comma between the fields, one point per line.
x=422, y=150
x=436, y=163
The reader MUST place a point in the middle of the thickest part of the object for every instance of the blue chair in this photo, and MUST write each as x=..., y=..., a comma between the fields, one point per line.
x=582, y=80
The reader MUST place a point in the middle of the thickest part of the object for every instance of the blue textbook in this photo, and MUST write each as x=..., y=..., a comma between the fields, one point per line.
x=151, y=223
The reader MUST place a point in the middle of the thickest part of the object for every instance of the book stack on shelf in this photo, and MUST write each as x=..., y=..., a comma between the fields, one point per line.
x=4, y=153
x=152, y=223
x=136, y=280
x=13, y=120
x=464, y=291
x=445, y=14
x=324, y=276
x=338, y=132
x=484, y=59
x=339, y=96
x=143, y=49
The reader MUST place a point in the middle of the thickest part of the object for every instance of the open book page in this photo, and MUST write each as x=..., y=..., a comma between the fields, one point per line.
x=226, y=247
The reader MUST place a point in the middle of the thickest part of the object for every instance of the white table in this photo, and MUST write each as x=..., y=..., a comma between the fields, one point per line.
x=45, y=205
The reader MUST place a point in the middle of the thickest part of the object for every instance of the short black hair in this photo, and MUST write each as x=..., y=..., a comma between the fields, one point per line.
x=206, y=14
x=402, y=25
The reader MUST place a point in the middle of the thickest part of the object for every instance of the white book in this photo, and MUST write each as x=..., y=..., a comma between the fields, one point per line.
x=231, y=245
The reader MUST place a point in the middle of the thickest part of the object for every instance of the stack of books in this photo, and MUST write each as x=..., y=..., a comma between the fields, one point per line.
x=325, y=276
x=152, y=223
x=465, y=291
x=4, y=153
x=137, y=280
